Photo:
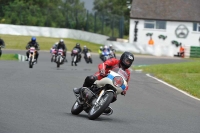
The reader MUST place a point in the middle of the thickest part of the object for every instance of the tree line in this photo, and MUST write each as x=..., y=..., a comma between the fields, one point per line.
x=108, y=18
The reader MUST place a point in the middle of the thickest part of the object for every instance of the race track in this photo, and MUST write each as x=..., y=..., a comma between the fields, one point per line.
x=39, y=100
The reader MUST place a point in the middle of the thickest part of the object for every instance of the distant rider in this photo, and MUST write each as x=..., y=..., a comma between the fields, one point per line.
x=85, y=51
x=61, y=45
x=2, y=44
x=105, y=49
x=113, y=50
x=54, y=47
x=33, y=43
x=78, y=46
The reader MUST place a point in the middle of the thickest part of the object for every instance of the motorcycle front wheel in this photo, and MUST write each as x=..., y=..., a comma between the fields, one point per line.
x=76, y=108
x=30, y=62
x=58, y=62
x=52, y=58
x=98, y=109
x=90, y=60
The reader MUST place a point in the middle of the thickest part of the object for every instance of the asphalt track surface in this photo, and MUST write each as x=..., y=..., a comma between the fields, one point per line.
x=39, y=100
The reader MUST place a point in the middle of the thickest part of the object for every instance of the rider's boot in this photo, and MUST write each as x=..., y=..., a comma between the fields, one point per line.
x=27, y=57
x=108, y=111
x=77, y=93
x=77, y=90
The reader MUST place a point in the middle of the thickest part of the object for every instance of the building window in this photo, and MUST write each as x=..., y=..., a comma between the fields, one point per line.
x=196, y=27
x=150, y=24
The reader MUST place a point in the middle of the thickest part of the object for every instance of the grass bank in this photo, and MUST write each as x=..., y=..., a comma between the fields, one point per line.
x=20, y=42
x=185, y=76
x=8, y=57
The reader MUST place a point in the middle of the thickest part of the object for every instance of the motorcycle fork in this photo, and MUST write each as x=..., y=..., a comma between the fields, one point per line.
x=100, y=95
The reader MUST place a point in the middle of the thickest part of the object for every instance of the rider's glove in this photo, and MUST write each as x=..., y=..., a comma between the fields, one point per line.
x=123, y=93
x=102, y=72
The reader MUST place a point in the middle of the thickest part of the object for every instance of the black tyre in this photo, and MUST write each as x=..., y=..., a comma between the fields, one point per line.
x=75, y=59
x=30, y=62
x=58, y=62
x=87, y=60
x=76, y=108
x=52, y=58
x=90, y=60
x=104, y=102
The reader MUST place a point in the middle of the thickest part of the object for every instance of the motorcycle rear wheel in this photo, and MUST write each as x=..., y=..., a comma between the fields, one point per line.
x=104, y=102
x=76, y=108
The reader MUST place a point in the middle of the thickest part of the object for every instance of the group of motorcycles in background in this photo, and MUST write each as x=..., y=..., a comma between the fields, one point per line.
x=106, y=53
x=57, y=56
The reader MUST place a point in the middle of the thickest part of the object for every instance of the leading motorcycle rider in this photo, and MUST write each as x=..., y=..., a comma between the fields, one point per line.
x=124, y=62
x=33, y=43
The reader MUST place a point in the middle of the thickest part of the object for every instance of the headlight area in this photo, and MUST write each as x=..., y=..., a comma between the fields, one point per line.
x=118, y=81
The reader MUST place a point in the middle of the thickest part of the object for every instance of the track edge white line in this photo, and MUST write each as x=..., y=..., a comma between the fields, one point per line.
x=185, y=93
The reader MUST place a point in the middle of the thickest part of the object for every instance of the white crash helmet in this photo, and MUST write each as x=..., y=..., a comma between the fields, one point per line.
x=105, y=47
x=61, y=40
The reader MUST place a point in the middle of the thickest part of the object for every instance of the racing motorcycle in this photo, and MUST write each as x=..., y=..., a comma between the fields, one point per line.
x=74, y=55
x=105, y=55
x=88, y=57
x=53, y=55
x=105, y=91
x=59, y=58
x=32, y=60
x=112, y=52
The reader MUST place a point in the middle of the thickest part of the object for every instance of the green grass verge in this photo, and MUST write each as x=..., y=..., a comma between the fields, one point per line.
x=185, y=76
x=8, y=57
x=20, y=42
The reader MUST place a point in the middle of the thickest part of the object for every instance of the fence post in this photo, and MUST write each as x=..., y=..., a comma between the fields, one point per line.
x=102, y=25
x=95, y=17
x=121, y=27
x=112, y=26
x=87, y=22
x=76, y=19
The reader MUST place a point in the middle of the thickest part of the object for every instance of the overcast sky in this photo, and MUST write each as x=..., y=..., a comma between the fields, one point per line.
x=88, y=4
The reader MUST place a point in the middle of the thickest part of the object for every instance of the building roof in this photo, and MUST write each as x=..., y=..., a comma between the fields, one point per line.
x=172, y=10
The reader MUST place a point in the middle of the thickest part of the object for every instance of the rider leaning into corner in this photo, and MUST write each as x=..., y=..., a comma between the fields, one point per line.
x=61, y=45
x=33, y=43
x=85, y=51
x=124, y=62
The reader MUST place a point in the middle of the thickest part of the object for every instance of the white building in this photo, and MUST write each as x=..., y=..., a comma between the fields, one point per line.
x=167, y=22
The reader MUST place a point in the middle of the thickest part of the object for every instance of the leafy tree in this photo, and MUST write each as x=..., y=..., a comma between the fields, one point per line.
x=117, y=7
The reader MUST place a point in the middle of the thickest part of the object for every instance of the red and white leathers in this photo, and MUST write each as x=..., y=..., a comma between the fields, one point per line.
x=109, y=65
